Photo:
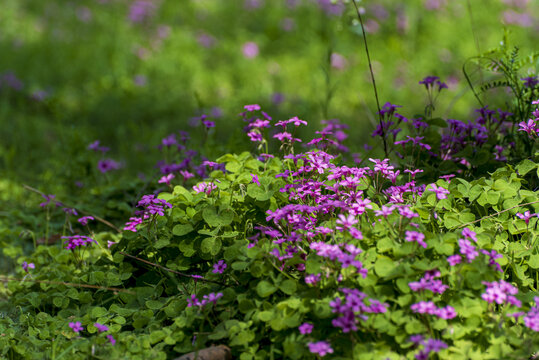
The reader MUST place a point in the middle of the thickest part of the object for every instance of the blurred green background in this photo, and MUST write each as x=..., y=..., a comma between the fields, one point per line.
x=131, y=72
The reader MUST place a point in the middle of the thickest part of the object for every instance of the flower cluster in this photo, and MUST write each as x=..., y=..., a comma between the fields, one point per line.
x=429, y=346
x=211, y=298
x=428, y=307
x=322, y=348
x=76, y=241
x=353, y=308
x=531, y=319
x=500, y=292
x=204, y=187
x=151, y=207
x=531, y=126
x=429, y=282
x=84, y=220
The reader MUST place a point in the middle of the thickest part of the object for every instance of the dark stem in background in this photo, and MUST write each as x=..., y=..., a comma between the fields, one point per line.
x=372, y=77
x=476, y=39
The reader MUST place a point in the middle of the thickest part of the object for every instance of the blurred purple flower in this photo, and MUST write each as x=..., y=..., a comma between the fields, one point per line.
x=250, y=50
x=107, y=165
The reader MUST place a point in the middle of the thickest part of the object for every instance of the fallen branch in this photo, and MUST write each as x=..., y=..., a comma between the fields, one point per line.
x=8, y=278
x=498, y=213
x=101, y=220
x=194, y=277
x=220, y=352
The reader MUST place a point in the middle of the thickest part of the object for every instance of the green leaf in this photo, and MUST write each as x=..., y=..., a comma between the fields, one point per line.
x=161, y=243
x=183, y=192
x=533, y=262
x=98, y=312
x=156, y=336
x=265, y=288
x=211, y=217
x=258, y=192
x=451, y=221
x=437, y=122
x=233, y=166
x=154, y=304
x=182, y=229
x=211, y=245
x=265, y=316
x=384, y=266
x=288, y=286
x=525, y=167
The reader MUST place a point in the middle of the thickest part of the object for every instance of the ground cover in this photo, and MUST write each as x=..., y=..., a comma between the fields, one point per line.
x=159, y=224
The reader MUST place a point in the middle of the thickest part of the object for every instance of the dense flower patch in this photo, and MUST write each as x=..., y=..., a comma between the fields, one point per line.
x=297, y=254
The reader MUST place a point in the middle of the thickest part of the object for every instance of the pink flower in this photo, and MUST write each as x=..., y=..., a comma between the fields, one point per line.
x=76, y=326
x=100, y=327
x=250, y=50
x=166, y=179
x=111, y=339
x=84, y=220
x=25, y=266
x=417, y=237
x=255, y=179
x=219, y=267
x=338, y=61
x=440, y=191
x=305, y=328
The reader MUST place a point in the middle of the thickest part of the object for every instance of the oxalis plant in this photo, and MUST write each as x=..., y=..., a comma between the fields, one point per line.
x=295, y=254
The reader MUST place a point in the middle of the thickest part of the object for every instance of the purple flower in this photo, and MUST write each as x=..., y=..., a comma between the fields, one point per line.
x=531, y=319
x=84, y=220
x=526, y=216
x=70, y=211
x=312, y=279
x=250, y=50
x=467, y=249
x=166, y=179
x=140, y=11
x=205, y=188
x=321, y=348
x=530, y=81
x=428, y=282
x=305, y=328
x=530, y=127
x=48, y=199
x=111, y=339
x=469, y=234
x=107, y=165
x=338, y=61
x=500, y=292
x=76, y=326
x=416, y=339
x=25, y=266
x=131, y=225
x=345, y=222
x=492, y=256
x=255, y=179
x=417, y=237
x=219, y=267
x=76, y=241
x=252, y=107
x=454, y=260
x=440, y=191
x=100, y=327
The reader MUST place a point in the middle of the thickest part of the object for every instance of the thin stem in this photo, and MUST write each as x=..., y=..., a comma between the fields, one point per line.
x=498, y=213
x=82, y=211
x=372, y=77
x=170, y=270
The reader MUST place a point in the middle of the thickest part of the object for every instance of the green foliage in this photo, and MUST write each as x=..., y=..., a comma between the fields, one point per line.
x=263, y=303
